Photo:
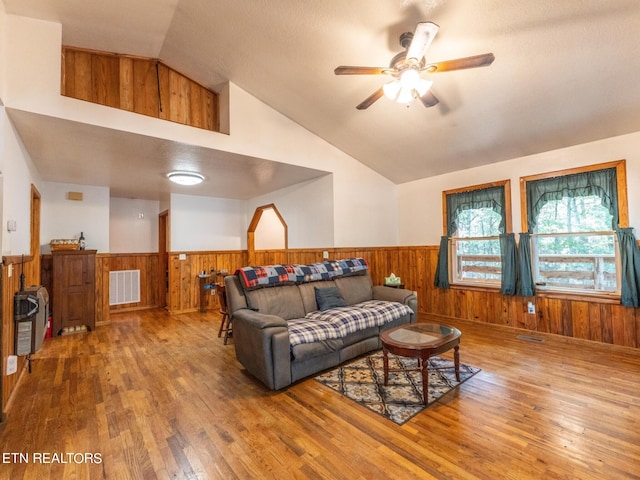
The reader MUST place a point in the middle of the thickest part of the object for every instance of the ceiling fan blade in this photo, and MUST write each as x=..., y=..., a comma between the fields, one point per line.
x=367, y=102
x=483, y=60
x=429, y=99
x=422, y=38
x=349, y=70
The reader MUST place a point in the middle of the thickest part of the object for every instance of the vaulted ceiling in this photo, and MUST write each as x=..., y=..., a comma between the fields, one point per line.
x=566, y=72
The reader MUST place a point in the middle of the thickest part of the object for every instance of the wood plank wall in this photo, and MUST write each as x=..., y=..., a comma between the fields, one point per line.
x=11, y=285
x=150, y=281
x=150, y=278
x=140, y=85
x=601, y=322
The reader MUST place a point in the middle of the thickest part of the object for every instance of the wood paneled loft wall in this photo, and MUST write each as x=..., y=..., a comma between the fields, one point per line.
x=140, y=85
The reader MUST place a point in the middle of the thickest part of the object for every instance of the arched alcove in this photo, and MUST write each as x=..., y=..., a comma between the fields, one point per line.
x=267, y=231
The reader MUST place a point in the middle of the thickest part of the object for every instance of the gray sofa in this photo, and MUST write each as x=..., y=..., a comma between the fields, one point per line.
x=262, y=318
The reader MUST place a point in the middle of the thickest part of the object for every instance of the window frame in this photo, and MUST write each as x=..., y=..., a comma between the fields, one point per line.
x=535, y=265
x=623, y=222
x=476, y=283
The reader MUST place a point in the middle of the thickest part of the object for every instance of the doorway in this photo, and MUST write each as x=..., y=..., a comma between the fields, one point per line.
x=267, y=231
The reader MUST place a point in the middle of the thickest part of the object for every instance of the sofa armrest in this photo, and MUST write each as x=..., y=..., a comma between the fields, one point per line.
x=401, y=295
x=258, y=320
x=262, y=346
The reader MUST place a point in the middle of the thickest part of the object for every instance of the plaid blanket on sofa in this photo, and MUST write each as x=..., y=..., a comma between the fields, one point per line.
x=288, y=274
x=339, y=322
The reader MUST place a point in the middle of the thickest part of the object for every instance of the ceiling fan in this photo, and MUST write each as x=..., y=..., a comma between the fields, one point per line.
x=405, y=69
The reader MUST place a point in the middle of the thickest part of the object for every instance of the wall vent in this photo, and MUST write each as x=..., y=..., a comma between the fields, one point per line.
x=124, y=287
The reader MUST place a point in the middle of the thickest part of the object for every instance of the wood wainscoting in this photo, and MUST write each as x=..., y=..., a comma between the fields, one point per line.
x=416, y=265
x=12, y=268
x=577, y=318
x=601, y=322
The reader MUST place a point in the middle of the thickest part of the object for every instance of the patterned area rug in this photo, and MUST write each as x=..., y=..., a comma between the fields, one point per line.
x=363, y=382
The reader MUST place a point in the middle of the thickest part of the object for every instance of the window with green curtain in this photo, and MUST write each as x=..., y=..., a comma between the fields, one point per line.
x=573, y=231
x=476, y=239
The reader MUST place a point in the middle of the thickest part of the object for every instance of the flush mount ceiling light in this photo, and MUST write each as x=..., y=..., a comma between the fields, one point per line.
x=185, y=178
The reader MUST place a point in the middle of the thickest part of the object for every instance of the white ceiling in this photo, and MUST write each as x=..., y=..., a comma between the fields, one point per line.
x=135, y=166
x=566, y=72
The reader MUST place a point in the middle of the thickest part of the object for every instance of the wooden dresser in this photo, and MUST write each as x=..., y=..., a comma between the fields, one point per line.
x=74, y=293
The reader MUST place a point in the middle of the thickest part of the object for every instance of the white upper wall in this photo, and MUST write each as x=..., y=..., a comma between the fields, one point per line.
x=207, y=223
x=420, y=202
x=133, y=225
x=307, y=209
x=33, y=84
x=64, y=218
x=3, y=61
x=270, y=232
x=17, y=174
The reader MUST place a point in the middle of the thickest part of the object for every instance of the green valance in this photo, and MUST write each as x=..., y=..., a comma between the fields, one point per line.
x=600, y=183
x=491, y=197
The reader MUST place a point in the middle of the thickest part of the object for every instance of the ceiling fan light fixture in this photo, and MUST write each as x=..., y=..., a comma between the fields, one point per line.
x=392, y=89
x=405, y=95
x=409, y=78
x=185, y=178
x=423, y=86
x=405, y=68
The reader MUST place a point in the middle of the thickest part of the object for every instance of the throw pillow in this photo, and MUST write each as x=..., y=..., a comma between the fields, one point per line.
x=329, y=298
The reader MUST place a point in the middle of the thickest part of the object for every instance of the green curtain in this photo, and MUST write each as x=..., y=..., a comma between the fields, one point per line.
x=630, y=267
x=525, y=286
x=441, y=278
x=492, y=197
x=508, y=257
x=601, y=183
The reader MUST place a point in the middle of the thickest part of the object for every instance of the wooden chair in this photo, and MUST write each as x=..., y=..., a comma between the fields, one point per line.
x=225, y=325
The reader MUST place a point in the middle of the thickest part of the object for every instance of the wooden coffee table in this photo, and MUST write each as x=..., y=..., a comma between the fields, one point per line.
x=421, y=341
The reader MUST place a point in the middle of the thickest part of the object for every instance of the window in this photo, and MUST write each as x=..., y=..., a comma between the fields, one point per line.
x=475, y=218
x=572, y=217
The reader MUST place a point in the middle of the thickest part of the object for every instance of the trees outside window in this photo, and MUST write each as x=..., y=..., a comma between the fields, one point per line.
x=572, y=217
x=475, y=217
x=475, y=247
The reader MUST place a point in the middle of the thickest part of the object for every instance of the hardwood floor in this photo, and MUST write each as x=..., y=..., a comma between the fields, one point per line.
x=155, y=395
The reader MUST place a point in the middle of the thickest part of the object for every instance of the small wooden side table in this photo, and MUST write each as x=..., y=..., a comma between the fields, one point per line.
x=421, y=341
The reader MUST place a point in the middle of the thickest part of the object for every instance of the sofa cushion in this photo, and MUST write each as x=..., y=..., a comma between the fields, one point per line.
x=303, y=330
x=308, y=294
x=329, y=297
x=355, y=289
x=304, y=351
x=284, y=302
x=339, y=322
